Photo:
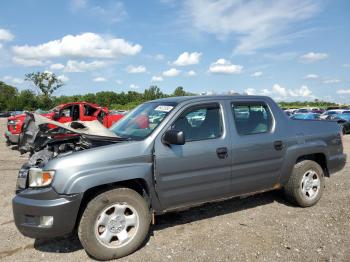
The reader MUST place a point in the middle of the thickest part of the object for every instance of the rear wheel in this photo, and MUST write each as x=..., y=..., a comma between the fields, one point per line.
x=114, y=224
x=306, y=184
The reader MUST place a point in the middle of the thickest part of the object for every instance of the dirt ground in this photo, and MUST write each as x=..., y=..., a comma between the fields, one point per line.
x=259, y=228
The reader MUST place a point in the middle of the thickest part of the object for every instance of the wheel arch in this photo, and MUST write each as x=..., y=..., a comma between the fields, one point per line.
x=319, y=158
x=139, y=185
x=316, y=151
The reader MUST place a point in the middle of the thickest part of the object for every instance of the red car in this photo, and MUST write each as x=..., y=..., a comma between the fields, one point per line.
x=75, y=111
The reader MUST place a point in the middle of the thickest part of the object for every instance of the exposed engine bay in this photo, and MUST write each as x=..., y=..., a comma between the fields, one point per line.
x=45, y=139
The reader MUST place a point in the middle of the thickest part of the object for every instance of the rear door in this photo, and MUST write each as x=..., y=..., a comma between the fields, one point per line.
x=199, y=170
x=257, y=147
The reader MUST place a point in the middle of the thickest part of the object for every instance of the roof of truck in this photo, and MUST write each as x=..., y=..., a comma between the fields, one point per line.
x=180, y=99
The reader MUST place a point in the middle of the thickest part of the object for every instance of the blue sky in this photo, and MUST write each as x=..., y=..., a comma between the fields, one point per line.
x=290, y=50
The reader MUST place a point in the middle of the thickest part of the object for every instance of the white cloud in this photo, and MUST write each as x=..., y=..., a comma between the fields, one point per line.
x=63, y=78
x=345, y=65
x=28, y=62
x=159, y=57
x=99, y=79
x=256, y=24
x=257, y=74
x=250, y=91
x=5, y=35
x=312, y=57
x=106, y=11
x=74, y=66
x=17, y=80
x=343, y=91
x=119, y=82
x=279, y=90
x=83, y=45
x=331, y=81
x=48, y=72
x=187, y=58
x=157, y=79
x=56, y=67
x=136, y=69
x=12, y=79
x=303, y=91
x=171, y=72
x=191, y=73
x=282, y=56
x=222, y=66
x=311, y=77
x=265, y=92
x=133, y=86
x=283, y=92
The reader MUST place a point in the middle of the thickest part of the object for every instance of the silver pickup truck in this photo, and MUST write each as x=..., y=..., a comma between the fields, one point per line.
x=165, y=155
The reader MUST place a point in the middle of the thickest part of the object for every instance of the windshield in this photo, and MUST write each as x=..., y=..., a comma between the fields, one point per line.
x=55, y=109
x=140, y=122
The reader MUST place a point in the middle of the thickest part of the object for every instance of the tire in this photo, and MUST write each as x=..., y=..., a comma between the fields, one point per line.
x=108, y=216
x=306, y=184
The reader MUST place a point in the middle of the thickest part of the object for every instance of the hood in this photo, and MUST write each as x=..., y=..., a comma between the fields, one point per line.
x=39, y=131
x=77, y=127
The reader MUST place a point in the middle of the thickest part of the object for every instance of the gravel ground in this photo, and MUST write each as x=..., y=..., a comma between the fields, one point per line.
x=259, y=228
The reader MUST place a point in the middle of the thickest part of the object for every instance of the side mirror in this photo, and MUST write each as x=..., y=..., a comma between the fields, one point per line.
x=174, y=137
x=56, y=115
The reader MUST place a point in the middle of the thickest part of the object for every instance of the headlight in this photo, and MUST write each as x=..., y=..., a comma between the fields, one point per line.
x=12, y=122
x=40, y=178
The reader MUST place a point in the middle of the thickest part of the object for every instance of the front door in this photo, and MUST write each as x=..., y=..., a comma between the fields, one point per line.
x=199, y=170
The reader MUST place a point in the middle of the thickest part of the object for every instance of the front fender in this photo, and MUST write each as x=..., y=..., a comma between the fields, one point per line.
x=86, y=179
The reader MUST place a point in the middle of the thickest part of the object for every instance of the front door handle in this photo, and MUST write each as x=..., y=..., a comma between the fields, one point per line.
x=222, y=152
x=278, y=145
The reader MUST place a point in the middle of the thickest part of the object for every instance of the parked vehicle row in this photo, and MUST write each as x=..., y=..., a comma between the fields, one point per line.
x=341, y=116
x=10, y=113
x=165, y=155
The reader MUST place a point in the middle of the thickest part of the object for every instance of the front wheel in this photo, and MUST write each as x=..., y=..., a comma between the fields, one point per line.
x=114, y=224
x=306, y=184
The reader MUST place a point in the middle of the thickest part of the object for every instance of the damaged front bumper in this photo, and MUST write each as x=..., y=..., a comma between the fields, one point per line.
x=11, y=138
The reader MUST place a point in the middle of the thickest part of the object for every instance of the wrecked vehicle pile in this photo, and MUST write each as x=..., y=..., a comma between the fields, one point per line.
x=45, y=139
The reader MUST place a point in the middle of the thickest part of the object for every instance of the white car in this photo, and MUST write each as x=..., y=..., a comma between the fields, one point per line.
x=334, y=112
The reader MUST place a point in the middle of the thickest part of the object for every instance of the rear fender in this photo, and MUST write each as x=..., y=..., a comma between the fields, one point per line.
x=299, y=150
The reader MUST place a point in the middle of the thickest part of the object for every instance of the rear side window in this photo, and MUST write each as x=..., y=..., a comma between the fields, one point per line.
x=254, y=118
x=200, y=123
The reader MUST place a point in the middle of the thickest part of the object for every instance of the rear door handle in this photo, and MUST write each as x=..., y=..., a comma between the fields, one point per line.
x=222, y=152
x=278, y=145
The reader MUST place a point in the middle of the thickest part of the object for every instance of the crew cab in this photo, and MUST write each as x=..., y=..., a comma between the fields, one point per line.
x=64, y=113
x=195, y=150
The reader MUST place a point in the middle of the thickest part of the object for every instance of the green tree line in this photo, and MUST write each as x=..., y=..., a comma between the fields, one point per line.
x=12, y=99
x=47, y=83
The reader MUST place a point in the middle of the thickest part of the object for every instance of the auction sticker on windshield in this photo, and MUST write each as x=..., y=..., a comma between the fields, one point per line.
x=164, y=108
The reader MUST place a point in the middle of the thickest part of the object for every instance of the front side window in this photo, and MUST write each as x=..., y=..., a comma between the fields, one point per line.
x=200, y=123
x=252, y=118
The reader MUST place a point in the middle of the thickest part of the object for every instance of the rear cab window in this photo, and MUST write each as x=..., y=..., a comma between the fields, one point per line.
x=252, y=117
